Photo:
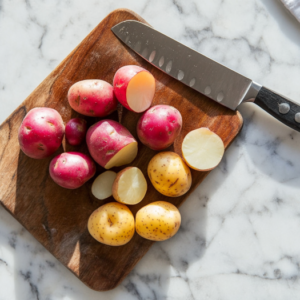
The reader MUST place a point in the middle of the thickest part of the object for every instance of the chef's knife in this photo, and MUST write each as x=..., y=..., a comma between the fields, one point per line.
x=203, y=74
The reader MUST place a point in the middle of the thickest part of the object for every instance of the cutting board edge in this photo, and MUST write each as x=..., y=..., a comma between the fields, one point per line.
x=23, y=106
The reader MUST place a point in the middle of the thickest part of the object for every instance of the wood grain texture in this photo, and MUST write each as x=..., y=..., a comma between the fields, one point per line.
x=57, y=217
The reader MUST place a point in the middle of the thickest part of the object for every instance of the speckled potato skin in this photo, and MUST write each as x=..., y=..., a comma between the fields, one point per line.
x=92, y=97
x=169, y=174
x=112, y=224
x=158, y=221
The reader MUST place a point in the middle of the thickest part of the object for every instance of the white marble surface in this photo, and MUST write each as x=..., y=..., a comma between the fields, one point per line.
x=240, y=232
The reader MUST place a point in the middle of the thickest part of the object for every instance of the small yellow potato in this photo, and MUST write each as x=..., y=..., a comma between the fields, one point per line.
x=130, y=186
x=158, y=221
x=112, y=224
x=102, y=185
x=169, y=174
x=202, y=149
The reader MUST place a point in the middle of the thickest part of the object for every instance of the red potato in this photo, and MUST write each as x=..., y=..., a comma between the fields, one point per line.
x=75, y=131
x=71, y=169
x=134, y=87
x=158, y=127
x=94, y=98
x=41, y=132
x=111, y=144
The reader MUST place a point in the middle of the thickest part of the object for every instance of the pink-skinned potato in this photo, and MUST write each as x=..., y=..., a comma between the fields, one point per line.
x=92, y=97
x=159, y=126
x=71, y=170
x=75, y=131
x=41, y=132
x=111, y=144
x=134, y=88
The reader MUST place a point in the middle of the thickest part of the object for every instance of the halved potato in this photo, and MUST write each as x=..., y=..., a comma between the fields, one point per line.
x=134, y=87
x=202, y=149
x=140, y=91
x=130, y=186
x=102, y=185
x=124, y=156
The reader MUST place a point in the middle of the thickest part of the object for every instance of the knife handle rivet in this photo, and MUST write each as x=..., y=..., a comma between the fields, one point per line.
x=161, y=61
x=220, y=97
x=207, y=90
x=297, y=117
x=283, y=108
x=192, y=82
x=152, y=56
x=180, y=75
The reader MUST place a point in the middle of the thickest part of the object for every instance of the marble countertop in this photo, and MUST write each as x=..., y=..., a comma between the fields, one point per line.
x=239, y=237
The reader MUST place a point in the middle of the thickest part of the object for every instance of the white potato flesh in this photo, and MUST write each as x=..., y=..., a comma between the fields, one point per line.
x=140, y=91
x=125, y=156
x=202, y=149
x=130, y=186
x=102, y=185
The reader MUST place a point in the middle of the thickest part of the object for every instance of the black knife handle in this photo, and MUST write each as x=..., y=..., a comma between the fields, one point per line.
x=279, y=107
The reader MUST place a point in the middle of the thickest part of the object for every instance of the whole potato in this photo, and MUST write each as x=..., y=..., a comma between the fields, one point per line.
x=71, y=169
x=158, y=221
x=169, y=174
x=41, y=132
x=75, y=131
x=94, y=98
x=158, y=127
x=112, y=224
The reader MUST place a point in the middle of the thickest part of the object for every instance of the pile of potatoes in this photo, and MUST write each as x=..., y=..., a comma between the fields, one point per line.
x=110, y=145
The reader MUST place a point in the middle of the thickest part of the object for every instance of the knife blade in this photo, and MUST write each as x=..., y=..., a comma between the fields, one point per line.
x=203, y=74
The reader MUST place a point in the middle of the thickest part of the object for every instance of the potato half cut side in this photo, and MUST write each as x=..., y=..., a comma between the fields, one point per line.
x=130, y=186
x=202, y=149
x=102, y=185
x=140, y=91
x=125, y=156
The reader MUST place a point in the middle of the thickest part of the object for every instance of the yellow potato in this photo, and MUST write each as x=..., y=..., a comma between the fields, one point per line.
x=112, y=224
x=158, y=221
x=169, y=174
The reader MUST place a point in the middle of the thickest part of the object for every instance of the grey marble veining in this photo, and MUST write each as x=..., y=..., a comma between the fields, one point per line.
x=239, y=237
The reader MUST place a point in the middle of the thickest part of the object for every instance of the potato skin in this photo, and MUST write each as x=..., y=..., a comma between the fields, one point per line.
x=105, y=138
x=112, y=224
x=121, y=81
x=169, y=174
x=94, y=98
x=75, y=131
x=158, y=127
x=158, y=221
x=116, y=184
x=71, y=169
x=41, y=132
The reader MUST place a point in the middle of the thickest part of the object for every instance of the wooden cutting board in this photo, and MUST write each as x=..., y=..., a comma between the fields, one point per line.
x=57, y=217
